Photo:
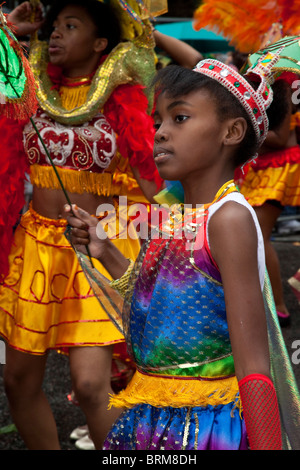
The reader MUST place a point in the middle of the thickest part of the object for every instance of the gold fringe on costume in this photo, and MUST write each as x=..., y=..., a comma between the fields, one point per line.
x=101, y=184
x=71, y=96
x=164, y=391
x=73, y=180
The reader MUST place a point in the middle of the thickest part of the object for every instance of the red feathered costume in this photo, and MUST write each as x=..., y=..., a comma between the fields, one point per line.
x=12, y=174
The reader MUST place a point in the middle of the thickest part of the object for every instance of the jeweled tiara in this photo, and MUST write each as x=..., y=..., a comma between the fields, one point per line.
x=255, y=102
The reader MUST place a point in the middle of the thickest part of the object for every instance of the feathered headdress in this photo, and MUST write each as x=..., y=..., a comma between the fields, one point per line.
x=249, y=25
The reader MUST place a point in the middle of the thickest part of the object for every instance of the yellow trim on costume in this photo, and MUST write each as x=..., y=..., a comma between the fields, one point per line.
x=164, y=391
x=73, y=180
x=121, y=284
x=72, y=97
x=227, y=188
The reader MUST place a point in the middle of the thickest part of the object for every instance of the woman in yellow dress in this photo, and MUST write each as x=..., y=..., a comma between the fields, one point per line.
x=93, y=112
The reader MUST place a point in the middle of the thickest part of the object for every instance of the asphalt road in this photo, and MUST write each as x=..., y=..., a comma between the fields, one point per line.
x=57, y=383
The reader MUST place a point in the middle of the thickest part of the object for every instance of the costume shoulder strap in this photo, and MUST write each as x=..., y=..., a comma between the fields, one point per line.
x=239, y=198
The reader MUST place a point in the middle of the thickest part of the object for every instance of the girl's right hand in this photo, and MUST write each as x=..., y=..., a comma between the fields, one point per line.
x=86, y=230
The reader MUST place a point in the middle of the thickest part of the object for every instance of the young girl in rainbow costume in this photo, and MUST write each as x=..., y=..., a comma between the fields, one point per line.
x=212, y=370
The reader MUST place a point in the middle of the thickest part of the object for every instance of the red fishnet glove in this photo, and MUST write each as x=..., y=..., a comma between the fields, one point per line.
x=261, y=412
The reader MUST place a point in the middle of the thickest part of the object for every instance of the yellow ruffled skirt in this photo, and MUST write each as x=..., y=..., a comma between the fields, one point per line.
x=46, y=301
x=274, y=176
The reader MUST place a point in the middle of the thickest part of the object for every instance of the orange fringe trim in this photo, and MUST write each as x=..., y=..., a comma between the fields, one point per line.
x=164, y=391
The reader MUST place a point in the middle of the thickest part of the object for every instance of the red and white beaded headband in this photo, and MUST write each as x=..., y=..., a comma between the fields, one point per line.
x=255, y=102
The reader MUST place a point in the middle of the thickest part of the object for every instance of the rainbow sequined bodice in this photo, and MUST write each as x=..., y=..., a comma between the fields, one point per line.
x=177, y=324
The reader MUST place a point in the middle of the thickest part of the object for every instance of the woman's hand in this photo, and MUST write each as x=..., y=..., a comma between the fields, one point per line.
x=86, y=230
x=21, y=19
